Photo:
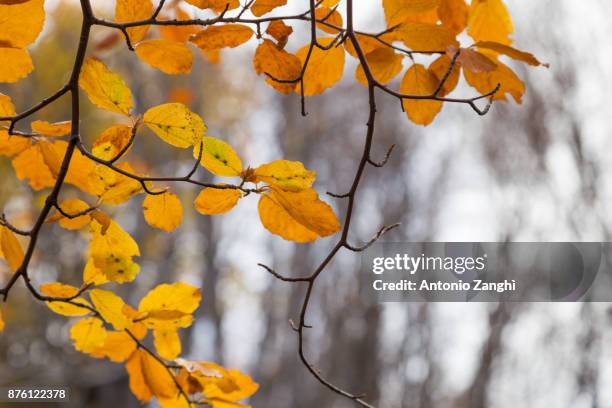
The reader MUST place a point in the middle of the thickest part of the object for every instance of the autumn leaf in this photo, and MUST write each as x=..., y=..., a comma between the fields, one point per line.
x=285, y=174
x=21, y=23
x=440, y=68
x=1, y=322
x=71, y=206
x=156, y=376
x=175, y=124
x=366, y=43
x=213, y=201
x=277, y=63
x=110, y=307
x=423, y=36
x=228, y=35
x=17, y=64
x=297, y=216
x=419, y=81
x=280, y=32
x=119, y=345
x=510, y=52
x=324, y=69
x=328, y=19
x=168, y=56
x=219, y=158
x=261, y=7
x=472, y=60
x=177, y=296
x=62, y=291
x=111, y=186
x=12, y=145
x=51, y=129
x=167, y=343
x=88, y=334
x=11, y=248
x=137, y=382
x=178, y=33
x=112, y=141
x=105, y=88
x=30, y=164
x=134, y=10
x=489, y=20
x=384, y=64
x=397, y=11
x=216, y=5
x=453, y=14
x=485, y=82
x=163, y=211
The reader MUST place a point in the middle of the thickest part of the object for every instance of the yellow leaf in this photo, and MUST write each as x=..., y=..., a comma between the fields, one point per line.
x=453, y=14
x=280, y=32
x=510, y=52
x=384, y=63
x=156, y=376
x=213, y=201
x=227, y=35
x=30, y=164
x=329, y=20
x=216, y=5
x=281, y=65
x=167, y=319
x=137, y=382
x=11, y=248
x=261, y=7
x=110, y=307
x=117, y=347
x=168, y=56
x=59, y=290
x=285, y=174
x=175, y=124
x=6, y=106
x=489, y=20
x=231, y=385
x=51, y=129
x=419, y=81
x=113, y=187
x=105, y=88
x=324, y=69
x=423, y=36
x=134, y=10
x=440, y=67
x=92, y=274
x=163, y=211
x=113, y=239
x=177, y=296
x=88, y=335
x=487, y=81
x=20, y=24
x=72, y=207
x=167, y=343
x=297, y=216
x=397, y=11
x=219, y=158
x=16, y=63
x=12, y=145
x=108, y=145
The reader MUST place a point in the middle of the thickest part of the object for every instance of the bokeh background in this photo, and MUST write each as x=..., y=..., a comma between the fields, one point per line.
x=540, y=171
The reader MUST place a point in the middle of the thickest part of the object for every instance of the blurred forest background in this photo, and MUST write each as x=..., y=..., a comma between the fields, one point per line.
x=536, y=172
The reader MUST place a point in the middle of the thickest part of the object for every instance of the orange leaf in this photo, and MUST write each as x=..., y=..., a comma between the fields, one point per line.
x=134, y=10
x=261, y=7
x=453, y=14
x=213, y=201
x=279, y=31
x=485, y=82
x=170, y=57
x=384, y=63
x=510, y=52
x=11, y=248
x=228, y=35
x=440, y=67
x=279, y=64
x=328, y=17
x=325, y=67
x=51, y=129
x=489, y=20
x=419, y=81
